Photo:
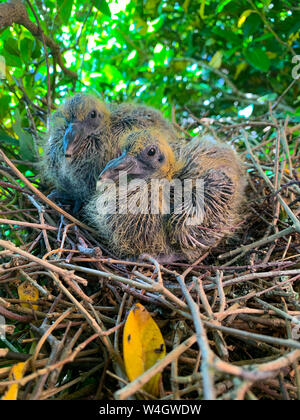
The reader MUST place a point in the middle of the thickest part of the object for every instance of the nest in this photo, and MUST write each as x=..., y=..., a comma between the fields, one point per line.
x=230, y=320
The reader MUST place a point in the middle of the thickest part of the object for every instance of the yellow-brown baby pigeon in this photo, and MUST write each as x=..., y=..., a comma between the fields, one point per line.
x=173, y=223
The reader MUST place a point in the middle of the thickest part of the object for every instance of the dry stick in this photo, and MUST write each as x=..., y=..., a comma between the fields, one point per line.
x=276, y=204
x=118, y=368
x=90, y=320
x=56, y=347
x=283, y=283
x=278, y=311
x=235, y=309
x=83, y=376
x=206, y=352
x=153, y=287
x=264, y=241
x=48, y=332
x=46, y=264
x=42, y=196
x=27, y=224
x=179, y=329
x=43, y=292
x=121, y=380
x=269, y=183
x=65, y=350
x=41, y=211
x=254, y=336
x=295, y=365
x=263, y=371
x=253, y=372
x=222, y=297
x=157, y=266
x=286, y=146
x=11, y=315
x=118, y=321
x=138, y=383
x=253, y=276
x=190, y=267
x=218, y=337
x=51, y=368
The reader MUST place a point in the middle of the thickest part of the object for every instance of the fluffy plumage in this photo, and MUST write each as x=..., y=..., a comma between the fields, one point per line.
x=168, y=235
x=84, y=136
x=78, y=147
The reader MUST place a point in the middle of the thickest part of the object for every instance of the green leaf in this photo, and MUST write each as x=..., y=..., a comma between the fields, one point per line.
x=65, y=9
x=11, y=46
x=25, y=139
x=111, y=74
x=243, y=17
x=26, y=46
x=222, y=5
x=270, y=97
x=4, y=106
x=216, y=60
x=103, y=7
x=151, y=6
x=5, y=138
x=251, y=25
x=228, y=35
x=36, y=49
x=13, y=60
x=258, y=59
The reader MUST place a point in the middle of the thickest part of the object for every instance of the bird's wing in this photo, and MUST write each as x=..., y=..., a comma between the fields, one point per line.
x=208, y=209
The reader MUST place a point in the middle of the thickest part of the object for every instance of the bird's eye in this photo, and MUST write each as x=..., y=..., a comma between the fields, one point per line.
x=93, y=114
x=151, y=152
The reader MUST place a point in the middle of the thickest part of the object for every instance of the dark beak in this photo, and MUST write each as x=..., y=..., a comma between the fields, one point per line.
x=126, y=163
x=73, y=133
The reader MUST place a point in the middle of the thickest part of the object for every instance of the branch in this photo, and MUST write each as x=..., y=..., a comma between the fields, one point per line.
x=15, y=12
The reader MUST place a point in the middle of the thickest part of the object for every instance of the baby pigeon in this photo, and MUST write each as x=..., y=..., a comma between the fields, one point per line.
x=170, y=224
x=79, y=145
x=84, y=136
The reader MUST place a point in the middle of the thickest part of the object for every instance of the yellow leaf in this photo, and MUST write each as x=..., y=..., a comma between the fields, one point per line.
x=16, y=372
x=243, y=17
x=179, y=65
x=216, y=60
x=151, y=6
x=202, y=7
x=271, y=54
x=293, y=37
x=27, y=291
x=141, y=26
x=186, y=5
x=143, y=346
x=239, y=68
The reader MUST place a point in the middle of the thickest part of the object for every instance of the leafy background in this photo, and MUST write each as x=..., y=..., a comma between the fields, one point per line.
x=220, y=59
x=203, y=63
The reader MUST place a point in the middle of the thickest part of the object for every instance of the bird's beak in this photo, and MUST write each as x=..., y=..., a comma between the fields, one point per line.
x=72, y=134
x=126, y=163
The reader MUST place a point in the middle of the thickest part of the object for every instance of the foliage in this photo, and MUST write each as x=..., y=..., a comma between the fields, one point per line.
x=207, y=65
x=205, y=56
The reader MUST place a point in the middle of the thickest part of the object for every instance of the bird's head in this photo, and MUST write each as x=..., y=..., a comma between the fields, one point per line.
x=85, y=117
x=145, y=154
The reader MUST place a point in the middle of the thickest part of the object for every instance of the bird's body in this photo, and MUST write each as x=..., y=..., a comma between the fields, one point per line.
x=223, y=181
x=84, y=136
x=177, y=230
x=78, y=144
